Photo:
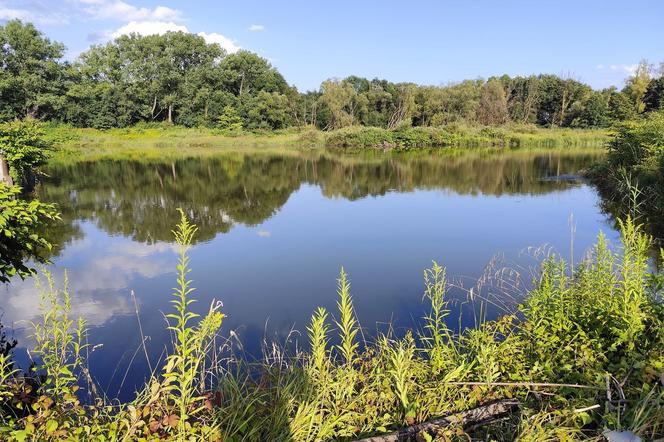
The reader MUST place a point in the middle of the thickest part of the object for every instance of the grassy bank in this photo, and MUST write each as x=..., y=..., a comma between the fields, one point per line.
x=512, y=136
x=582, y=354
x=152, y=138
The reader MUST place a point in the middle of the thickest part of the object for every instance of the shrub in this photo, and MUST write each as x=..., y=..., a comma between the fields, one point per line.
x=23, y=145
x=20, y=240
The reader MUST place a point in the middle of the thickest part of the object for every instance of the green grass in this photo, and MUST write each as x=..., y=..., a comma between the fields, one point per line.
x=162, y=139
x=583, y=352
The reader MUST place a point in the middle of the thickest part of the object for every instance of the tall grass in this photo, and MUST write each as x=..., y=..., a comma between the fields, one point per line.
x=583, y=354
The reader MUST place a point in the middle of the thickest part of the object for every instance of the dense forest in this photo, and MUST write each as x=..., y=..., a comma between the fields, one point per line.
x=179, y=78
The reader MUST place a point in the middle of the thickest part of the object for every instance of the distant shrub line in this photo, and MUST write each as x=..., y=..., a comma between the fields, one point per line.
x=462, y=136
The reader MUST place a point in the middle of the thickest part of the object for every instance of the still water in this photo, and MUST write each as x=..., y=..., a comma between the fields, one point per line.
x=275, y=228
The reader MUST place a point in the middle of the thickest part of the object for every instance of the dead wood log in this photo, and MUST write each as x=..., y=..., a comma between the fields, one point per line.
x=472, y=417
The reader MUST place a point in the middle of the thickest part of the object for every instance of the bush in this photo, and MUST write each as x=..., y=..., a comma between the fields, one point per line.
x=23, y=145
x=19, y=225
x=637, y=142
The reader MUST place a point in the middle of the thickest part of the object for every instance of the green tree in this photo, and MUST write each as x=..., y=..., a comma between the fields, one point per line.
x=19, y=239
x=338, y=96
x=637, y=84
x=620, y=107
x=229, y=120
x=654, y=96
x=267, y=110
x=556, y=97
x=144, y=78
x=591, y=111
x=522, y=98
x=245, y=72
x=31, y=75
x=492, y=107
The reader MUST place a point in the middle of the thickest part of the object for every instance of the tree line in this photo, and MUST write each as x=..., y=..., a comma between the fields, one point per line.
x=180, y=78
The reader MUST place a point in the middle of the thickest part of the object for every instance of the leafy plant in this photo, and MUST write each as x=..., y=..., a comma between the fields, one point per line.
x=347, y=324
x=318, y=342
x=23, y=145
x=19, y=237
x=191, y=342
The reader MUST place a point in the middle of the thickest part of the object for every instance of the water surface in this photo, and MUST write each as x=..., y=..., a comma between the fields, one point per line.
x=275, y=228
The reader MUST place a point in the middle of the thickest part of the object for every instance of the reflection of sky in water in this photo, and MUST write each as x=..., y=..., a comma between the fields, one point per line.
x=272, y=276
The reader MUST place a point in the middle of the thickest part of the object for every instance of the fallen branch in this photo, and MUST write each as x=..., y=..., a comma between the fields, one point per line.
x=524, y=384
x=474, y=416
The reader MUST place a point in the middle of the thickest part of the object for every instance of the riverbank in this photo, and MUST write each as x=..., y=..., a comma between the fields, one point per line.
x=631, y=179
x=582, y=354
x=150, y=139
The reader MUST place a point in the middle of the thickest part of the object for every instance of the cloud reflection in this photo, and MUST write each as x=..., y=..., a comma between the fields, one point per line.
x=101, y=274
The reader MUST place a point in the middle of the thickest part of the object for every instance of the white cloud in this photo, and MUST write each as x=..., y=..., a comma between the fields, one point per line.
x=627, y=68
x=32, y=11
x=256, y=28
x=264, y=233
x=9, y=14
x=120, y=10
x=148, y=28
x=226, y=43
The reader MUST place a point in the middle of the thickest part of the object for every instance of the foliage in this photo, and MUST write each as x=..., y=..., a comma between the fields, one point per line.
x=229, y=120
x=654, y=96
x=191, y=342
x=19, y=237
x=460, y=136
x=632, y=178
x=32, y=77
x=23, y=145
x=179, y=78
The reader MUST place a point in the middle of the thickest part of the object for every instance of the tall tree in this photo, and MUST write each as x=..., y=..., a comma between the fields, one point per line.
x=637, y=84
x=338, y=97
x=653, y=99
x=31, y=75
x=245, y=72
x=492, y=107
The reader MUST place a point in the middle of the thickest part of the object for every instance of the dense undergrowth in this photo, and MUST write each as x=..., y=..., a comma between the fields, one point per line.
x=583, y=353
x=459, y=135
x=632, y=177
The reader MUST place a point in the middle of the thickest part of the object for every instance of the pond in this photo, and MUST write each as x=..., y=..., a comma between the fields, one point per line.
x=275, y=227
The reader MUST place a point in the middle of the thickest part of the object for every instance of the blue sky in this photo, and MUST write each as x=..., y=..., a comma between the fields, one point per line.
x=427, y=42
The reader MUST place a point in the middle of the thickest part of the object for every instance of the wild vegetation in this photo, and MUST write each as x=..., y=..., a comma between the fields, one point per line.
x=179, y=78
x=583, y=353
x=632, y=178
x=24, y=150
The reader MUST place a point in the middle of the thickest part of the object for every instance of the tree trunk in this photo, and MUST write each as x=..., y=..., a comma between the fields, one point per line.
x=5, y=178
x=170, y=113
x=154, y=107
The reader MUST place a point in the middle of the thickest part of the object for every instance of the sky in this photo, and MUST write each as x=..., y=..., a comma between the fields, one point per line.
x=426, y=42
